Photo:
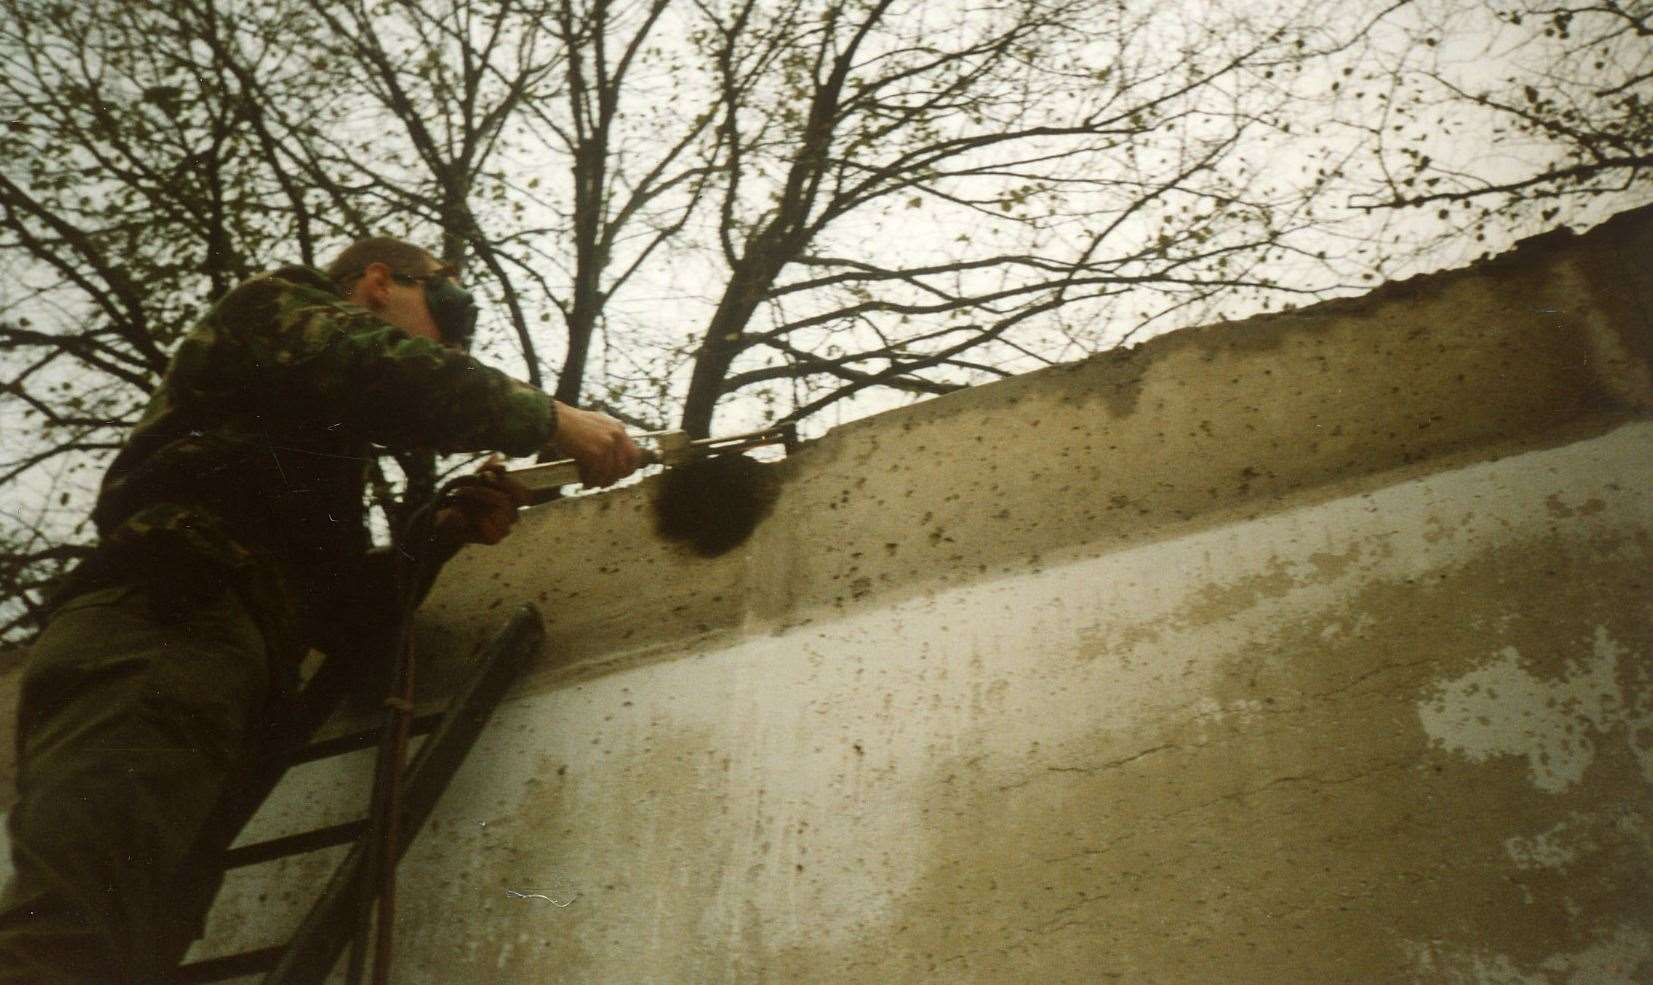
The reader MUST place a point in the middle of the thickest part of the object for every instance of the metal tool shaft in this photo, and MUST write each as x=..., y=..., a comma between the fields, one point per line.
x=673, y=448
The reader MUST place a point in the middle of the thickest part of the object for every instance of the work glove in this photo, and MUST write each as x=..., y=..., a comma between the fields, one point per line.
x=480, y=508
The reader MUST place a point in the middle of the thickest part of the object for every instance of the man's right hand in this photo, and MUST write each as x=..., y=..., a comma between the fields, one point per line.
x=598, y=443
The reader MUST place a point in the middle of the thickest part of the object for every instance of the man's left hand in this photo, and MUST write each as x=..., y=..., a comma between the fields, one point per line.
x=481, y=508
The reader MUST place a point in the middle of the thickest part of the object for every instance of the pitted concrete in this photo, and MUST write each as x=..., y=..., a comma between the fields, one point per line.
x=1397, y=736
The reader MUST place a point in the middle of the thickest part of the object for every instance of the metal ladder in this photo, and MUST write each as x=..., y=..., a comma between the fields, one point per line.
x=325, y=932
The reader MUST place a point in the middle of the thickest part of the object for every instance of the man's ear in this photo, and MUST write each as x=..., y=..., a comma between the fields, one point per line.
x=374, y=286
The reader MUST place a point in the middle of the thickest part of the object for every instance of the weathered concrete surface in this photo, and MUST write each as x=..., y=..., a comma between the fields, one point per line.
x=1313, y=648
x=1399, y=736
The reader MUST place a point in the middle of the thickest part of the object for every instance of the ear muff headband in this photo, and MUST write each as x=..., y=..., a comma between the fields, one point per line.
x=454, y=310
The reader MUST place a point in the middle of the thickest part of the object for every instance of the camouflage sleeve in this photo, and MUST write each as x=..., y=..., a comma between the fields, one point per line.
x=302, y=349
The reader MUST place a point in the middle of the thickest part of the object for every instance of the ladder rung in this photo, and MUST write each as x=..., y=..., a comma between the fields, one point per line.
x=305, y=841
x=325, y=930
x=422, y=725
x=322, y=936
x=229, y=966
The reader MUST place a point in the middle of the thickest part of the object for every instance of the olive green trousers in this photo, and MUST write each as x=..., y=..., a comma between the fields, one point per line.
x=132, y=723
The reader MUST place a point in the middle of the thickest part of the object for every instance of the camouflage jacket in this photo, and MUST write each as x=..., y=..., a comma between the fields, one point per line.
x=248, y=467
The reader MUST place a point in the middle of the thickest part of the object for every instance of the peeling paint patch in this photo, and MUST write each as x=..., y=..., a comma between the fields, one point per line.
x=1505, y=709
x=1555, y=848
x=1578, y=836
x=1623, y=958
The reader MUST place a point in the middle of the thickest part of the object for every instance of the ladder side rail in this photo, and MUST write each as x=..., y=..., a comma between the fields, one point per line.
x=326, y=930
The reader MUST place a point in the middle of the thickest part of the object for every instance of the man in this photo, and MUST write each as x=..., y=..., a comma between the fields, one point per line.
x=232, y=538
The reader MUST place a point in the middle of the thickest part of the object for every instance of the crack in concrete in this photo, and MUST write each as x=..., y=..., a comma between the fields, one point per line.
x=1088, y=770
x=1113, y=763
x=1299, y=778
x=1380, y=669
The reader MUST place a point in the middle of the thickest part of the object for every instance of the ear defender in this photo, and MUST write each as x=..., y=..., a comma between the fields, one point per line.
x=454, y=310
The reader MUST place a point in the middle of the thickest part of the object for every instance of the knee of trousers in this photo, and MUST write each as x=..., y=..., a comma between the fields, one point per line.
x=131, y=726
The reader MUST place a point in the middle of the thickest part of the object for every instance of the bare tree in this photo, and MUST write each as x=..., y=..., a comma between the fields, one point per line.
x=567, y=182
x=636, y=176
x=914, y=195
x=157, y=151
x=785, y=207
x=131, y=187
x=1560, y=125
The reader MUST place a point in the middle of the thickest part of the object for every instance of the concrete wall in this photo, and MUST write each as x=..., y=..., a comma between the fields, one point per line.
x=1312, y=648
